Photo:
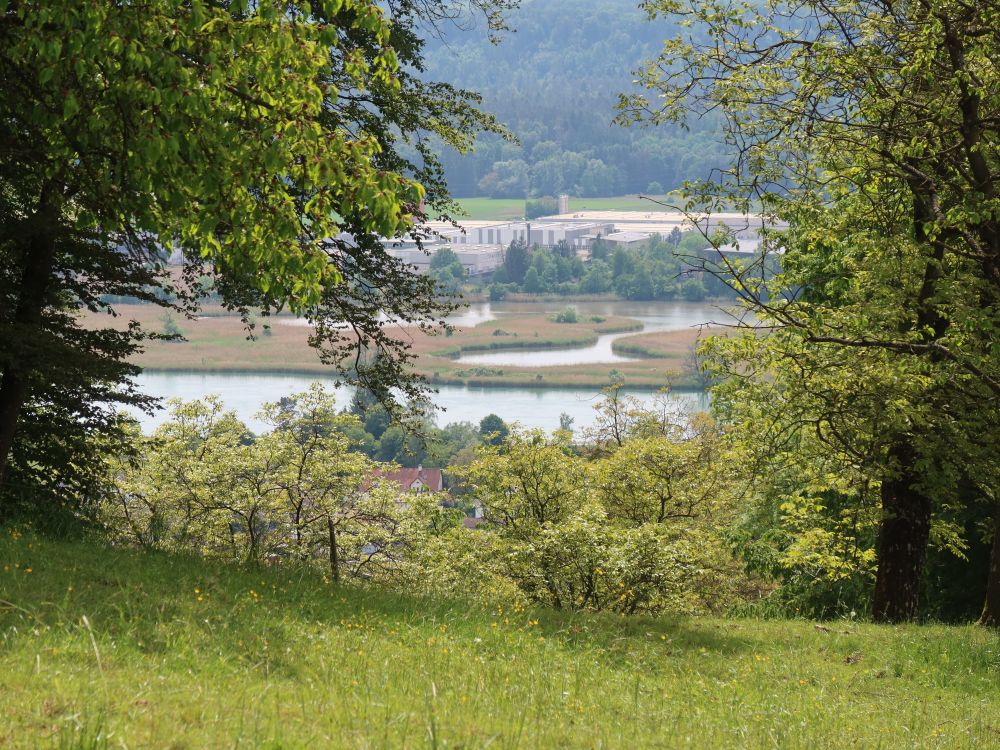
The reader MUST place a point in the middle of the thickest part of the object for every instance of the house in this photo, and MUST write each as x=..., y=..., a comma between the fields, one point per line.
x=478, y=516
x=428, y=480
x=415, y=480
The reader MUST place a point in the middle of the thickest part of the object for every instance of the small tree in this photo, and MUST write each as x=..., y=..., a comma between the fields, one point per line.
x=298, y=493
x=567, y=315
x=515, y=261
x=493, y=430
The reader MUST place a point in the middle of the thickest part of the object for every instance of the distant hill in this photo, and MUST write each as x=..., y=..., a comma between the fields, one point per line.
x=554, y=81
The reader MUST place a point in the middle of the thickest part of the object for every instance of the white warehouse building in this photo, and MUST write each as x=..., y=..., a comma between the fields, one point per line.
x=628, y=240
x=577, y=234
x=475, y=259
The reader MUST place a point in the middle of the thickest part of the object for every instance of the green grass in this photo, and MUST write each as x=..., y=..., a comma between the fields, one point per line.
x=103, y=647
x=492, y=209
x=507, y=209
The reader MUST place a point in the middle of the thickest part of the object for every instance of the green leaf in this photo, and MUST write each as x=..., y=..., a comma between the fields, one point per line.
x=70, y=106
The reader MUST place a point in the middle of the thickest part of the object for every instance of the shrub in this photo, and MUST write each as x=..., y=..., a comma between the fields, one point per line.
x=567, y=315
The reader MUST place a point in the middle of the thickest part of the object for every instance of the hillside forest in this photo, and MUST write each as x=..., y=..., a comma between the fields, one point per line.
x=554, y=82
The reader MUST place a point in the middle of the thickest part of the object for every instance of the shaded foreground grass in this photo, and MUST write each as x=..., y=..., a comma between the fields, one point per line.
x=105, y=647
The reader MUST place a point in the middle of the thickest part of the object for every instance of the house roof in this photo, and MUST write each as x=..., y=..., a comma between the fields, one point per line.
x=432, y=479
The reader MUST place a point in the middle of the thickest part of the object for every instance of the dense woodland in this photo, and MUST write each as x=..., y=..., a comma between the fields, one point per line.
x=662, y=268
x=554, y=82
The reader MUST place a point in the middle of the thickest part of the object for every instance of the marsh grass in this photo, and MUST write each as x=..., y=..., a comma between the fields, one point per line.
x=103, y=647
x=661, y=344
x=218, y=343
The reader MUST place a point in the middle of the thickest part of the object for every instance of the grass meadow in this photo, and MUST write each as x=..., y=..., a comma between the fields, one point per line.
x=109, y=648
x=491, y=209
x=661, y=344
x=509, y=209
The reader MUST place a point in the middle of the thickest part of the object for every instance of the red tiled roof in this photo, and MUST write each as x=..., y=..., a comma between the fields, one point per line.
x=432, y=479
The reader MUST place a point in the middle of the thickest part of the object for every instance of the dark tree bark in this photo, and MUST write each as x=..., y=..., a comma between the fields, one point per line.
x=36, y=276
x=991, y=609
x=906, y=511
x=334, y=561
x=902, y=543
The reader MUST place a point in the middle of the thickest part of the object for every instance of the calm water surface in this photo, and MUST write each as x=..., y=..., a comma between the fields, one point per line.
x=654, y=316
x=531, y=407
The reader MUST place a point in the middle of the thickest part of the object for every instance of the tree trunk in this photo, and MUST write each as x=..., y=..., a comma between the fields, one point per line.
x=36, y=275
x=991, y=610
x=902, y=543
x=334, y=561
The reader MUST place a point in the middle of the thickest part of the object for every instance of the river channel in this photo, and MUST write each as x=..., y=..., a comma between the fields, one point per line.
x=531, y=407
x=654, y=317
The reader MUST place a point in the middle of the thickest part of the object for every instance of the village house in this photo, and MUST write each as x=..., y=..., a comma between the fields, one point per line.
x=414, y=480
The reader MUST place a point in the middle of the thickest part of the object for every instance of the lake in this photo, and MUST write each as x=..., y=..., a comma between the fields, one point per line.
x=531, y=407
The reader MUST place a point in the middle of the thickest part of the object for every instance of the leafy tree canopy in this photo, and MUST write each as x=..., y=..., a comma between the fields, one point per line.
x=870, y=127
x=259, y=143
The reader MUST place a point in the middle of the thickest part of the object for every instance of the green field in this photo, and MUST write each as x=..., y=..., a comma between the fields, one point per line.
x=505, y=209
x=492, y=209
x=620, y=203
x=105, y=647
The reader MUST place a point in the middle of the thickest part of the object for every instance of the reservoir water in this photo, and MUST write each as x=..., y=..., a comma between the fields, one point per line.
x=531, y=407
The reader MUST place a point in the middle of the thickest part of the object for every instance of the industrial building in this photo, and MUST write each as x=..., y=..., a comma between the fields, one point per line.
x=577, y=234
x=627, y=240
x=475, y=259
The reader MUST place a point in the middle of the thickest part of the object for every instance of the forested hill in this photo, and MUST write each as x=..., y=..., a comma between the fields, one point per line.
x=554, y=81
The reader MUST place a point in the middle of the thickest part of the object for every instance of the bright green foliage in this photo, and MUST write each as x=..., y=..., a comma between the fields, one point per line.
x=871, y=378
x=658, y=478
x=271, y=145
x=297, y=493
x=200, y=125
x=527, y=482
x=635, y=527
